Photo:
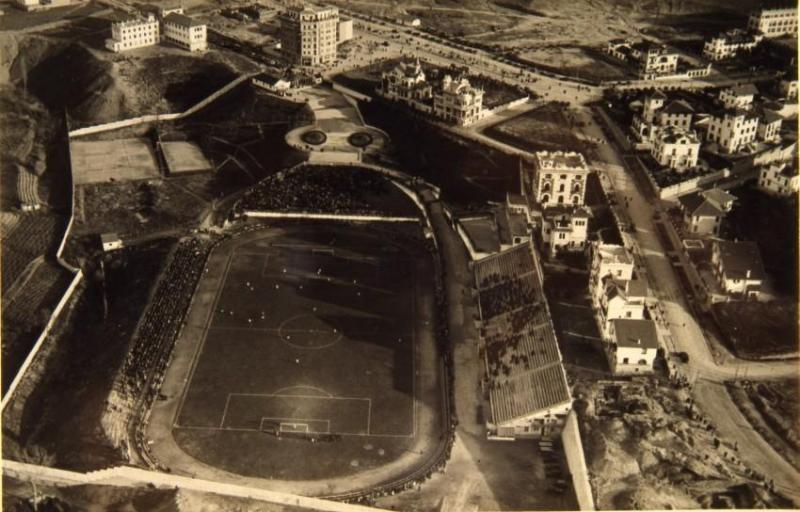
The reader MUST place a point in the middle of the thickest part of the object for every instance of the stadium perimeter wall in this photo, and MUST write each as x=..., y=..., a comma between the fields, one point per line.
x=327, y=216
x=125, y=476
x=573, y=448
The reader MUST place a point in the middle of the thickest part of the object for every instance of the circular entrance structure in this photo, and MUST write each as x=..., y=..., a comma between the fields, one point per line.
x=314, y=137
x=360, y=139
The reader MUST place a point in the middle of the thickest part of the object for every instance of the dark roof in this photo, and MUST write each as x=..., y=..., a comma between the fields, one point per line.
x=739, y=257
x=109, y=237
x=696, y=205
x=482, y=233
x=635, y=333
x=678, y=107
x=770, y=116
x=745, y=90
x=636, y=288
x=182, y=19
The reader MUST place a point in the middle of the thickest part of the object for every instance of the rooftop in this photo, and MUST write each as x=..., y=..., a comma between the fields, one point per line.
x=183, y=20
x=740, y=257
x=744, y=90
x=482, y=233
x=632, y=333
x=614, y=253
x=678, y=107
x=556, y=160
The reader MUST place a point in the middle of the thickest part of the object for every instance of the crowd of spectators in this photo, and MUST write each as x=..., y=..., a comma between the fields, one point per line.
x=506, y=297
x=318, y=189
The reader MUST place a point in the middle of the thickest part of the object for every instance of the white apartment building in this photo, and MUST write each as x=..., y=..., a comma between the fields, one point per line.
x=634, y=347
x=676, y=148
x=309, y=34
x=560, y=178
x=565, y=228
x=774, y=22
x=779, y=179
x=133, y=33
x=457, y=102
x=732, y=129
x=730, y=43
x=185, y=32
x=741, y=96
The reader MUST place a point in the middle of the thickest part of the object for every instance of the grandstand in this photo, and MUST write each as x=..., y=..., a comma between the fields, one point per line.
x=524, y=380
x=28, y=189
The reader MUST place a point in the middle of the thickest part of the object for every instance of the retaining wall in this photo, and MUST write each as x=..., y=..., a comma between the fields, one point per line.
x=350, y=92
x=573, y=448
x=328, y=216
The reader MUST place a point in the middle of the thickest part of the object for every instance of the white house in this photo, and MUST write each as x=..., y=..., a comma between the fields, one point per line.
x=780, y=179
x=738, y=268
x=741, y=96
x=457, y=102
x=634, y=347
x=703, y=212
x=731, y=43
x=609, y=260
x=676, y=148
x=185, y=32
x=769, y=126
x=275, y=84
x=621, y=299
x=132, y=33
x=565, y=228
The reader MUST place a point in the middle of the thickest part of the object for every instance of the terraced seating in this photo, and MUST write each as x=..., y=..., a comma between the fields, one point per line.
x=161, y=323
x=28, y=189
x=504, y=266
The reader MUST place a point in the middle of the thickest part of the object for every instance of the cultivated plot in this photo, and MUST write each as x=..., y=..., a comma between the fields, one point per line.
x=112, y=160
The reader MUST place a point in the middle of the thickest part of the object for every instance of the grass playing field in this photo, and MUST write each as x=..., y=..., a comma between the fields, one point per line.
x=311, y=329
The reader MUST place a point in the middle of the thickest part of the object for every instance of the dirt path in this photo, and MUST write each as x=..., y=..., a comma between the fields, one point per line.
x=715, y=401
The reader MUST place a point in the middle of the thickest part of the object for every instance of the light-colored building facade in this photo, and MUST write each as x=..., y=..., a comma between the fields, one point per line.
x=738, y=268
x=676, y=148
x=457, y=102
x=655, y=60
x=620, y=299
x=732, y=129
x=787, y=87
x=560, y=178
x=110, y=242
x=779, y=179
x=731, y=43
x=774, y=22
x=136, y=32
x=309, y=35
x=703, y=212
x=741, y=96
x=609, y=260
x=185, y=32
x=634, y=347
x=769, y=126
x=406, y=82
x=344, y=30
x=565, y=228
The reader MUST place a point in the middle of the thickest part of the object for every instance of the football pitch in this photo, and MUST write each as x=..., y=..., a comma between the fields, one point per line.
x=311, y=332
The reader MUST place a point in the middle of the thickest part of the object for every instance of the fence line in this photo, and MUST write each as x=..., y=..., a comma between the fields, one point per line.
x=327, y=216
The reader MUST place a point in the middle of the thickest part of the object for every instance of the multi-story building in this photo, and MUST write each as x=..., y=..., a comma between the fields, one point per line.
x=787, y=87
x=559, y=178
x=769, y=126
x=309, y=34
x=774, y=22
x=565, y=228
x=703, y=212
x=609, y=260
x=620, y=299
x=738, y=268
x=732, y=129
x=780, y=179
x=657, y=114
x=634, y=347
x=676, y=148
x=406, y=82
x=134, y=32
x=457, y=102
x=731, y=43
x=655, y=60
x=186, y=32
x=741, y=96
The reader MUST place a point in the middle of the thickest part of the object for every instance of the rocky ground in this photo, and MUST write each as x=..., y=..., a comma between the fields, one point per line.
x=649, y=448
